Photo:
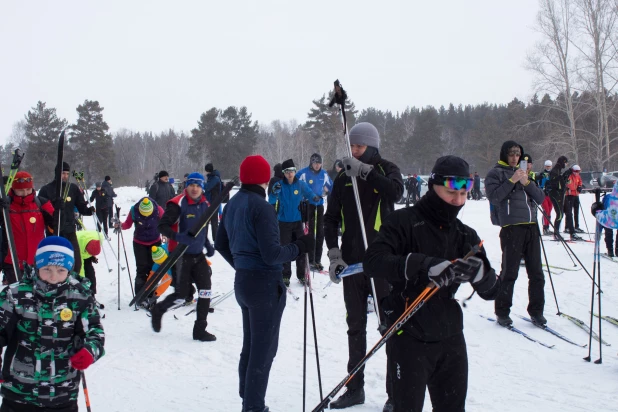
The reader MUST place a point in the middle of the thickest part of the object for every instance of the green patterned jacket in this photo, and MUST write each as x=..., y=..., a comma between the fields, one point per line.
x=42, y=326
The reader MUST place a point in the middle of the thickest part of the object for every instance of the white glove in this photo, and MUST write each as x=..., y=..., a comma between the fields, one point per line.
x=337, y=265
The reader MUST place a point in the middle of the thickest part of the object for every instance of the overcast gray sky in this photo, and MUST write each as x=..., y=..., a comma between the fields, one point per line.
x=155, y=65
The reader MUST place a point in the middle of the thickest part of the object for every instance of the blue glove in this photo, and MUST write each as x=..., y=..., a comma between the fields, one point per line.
x=185, y=239
x=210, y=249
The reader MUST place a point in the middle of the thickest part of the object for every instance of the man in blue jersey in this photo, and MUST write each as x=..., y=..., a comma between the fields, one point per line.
x=321, y=184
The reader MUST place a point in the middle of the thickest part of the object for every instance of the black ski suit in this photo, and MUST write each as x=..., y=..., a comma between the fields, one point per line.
x=74, y=199
x=378, y=194
x=556, y=187
x=100, y=202
x=431, y=351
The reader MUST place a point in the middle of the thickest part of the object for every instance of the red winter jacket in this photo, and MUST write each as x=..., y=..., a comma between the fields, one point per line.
x=573, y=183
x=28, y=223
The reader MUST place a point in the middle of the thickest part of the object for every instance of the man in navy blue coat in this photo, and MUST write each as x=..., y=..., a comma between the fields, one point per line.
x=248, y=239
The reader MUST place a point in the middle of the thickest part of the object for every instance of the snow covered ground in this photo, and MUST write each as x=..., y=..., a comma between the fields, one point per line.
x=145, y=371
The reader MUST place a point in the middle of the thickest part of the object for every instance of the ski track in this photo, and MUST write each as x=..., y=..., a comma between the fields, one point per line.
x=146, y=371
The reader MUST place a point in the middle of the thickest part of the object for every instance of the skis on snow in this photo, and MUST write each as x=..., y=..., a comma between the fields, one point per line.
x=610, y=319
x=582, y=325
x=553, y=332
x=522, y=333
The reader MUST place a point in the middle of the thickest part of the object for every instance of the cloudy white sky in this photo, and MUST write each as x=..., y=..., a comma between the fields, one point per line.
x=155, y=65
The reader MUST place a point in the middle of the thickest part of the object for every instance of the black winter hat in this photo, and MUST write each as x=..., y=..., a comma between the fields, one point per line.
x=209, y=168
x=527, y=158
x=339, y=163
x=107, y=178
x=66, y=167
x=450, y=166
x=98, y=184
x=287, y=164
x=505, y=150
x=562, y=161
x=316, y=158
x=163, y=173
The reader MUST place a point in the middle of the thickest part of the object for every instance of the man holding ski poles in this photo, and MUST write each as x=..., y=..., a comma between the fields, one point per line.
x=72, y=197
x=416, y=246
x=380, y=185
x=180, y=213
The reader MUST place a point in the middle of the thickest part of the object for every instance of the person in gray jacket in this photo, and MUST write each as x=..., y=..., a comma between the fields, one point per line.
x=514, y=198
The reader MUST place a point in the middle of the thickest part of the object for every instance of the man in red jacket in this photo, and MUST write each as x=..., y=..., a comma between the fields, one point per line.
x=29, y=215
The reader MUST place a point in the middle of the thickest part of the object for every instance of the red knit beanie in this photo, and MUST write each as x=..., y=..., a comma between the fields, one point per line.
x=93, y=247
x=254, y=170
x=23, y=185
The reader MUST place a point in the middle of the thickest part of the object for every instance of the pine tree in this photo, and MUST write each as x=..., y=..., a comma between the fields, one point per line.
x=223, y=137
x=42, y=130
x=91, y=144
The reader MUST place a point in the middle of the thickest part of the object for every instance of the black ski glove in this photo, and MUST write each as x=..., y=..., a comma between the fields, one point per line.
x=210, y=249
x=579, y=189
x=596, y=207
x=469, y=270
x=305, y=244
x=5, y=202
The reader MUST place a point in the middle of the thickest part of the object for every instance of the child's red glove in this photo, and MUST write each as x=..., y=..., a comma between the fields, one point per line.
x=82, y=359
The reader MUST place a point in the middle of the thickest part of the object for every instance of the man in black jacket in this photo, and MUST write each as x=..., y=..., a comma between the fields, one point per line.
x=72, y=198
x=416, y=246
x=108, y=186
x=379, y=186
x=556, y=188
x=99, y=196
x=162, y=190
x=515, y=198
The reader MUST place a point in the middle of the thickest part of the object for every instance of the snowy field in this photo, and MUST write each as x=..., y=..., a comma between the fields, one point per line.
x=143, y=371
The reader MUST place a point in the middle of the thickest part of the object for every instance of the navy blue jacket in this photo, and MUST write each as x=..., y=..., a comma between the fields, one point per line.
x=248, y=235
x=289, y=199
x=181, y=213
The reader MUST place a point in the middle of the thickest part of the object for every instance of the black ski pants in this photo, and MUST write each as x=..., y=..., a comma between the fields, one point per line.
x=10, y=406
x=441, y=367
x=289, y=232
x=557, y=199
x=571, y=210
x=72, y=237
x=191, y=269
x=90, y=274
x=356, y=289
x=518, y=241
x=609, y=240
x=102, y=217
x=143, y=263
x=261, y=296
x=316, y=228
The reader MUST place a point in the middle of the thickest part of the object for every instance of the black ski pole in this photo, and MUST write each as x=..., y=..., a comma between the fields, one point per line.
x=557, y=234
x=569, y=248
x=584, y=216
x=594, y=272
x=118, y=273
x=598, y=259
x=315, y=337
x=124, y=248
x=551, y=280
x=305, y=337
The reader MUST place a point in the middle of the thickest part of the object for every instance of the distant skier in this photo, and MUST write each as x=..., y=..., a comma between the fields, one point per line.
x=574, y=187
x=162, y=190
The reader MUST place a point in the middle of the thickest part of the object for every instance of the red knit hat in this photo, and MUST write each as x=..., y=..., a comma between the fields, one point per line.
x=93, y=247
x=26, y=183
x=254, y=170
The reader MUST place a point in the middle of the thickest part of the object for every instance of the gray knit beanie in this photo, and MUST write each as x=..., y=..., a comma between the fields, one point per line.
x=365, y=134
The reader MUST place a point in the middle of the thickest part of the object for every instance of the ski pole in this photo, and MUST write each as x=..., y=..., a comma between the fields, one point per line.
x=568, y=248
x=86, y=396
x=594, y=268
x=340, y=97
x=551, y=280
x=584, y=216
x=556, y=233
x=315, y=338
x=118, y=273
x=124, y=248
x=305, y=336
x=598, y=258
x=423, y=297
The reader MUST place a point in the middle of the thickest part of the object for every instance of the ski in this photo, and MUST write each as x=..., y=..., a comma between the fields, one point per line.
x=213, y=303
x=17, y=158
x=292, y=293
x=606, y=256
x=550, y=330
x=562, y=268
x=584, y=327
x=610, y=319
x=522, y=333
x=212, y=210
x=58, y=203
x=9, y=229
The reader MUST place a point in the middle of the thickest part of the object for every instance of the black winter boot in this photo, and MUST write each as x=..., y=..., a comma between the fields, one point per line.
x=350, y=398
x=388, y=406
x=505, y=321
x=538, y=320
x=157, y=315
x=200, y=333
